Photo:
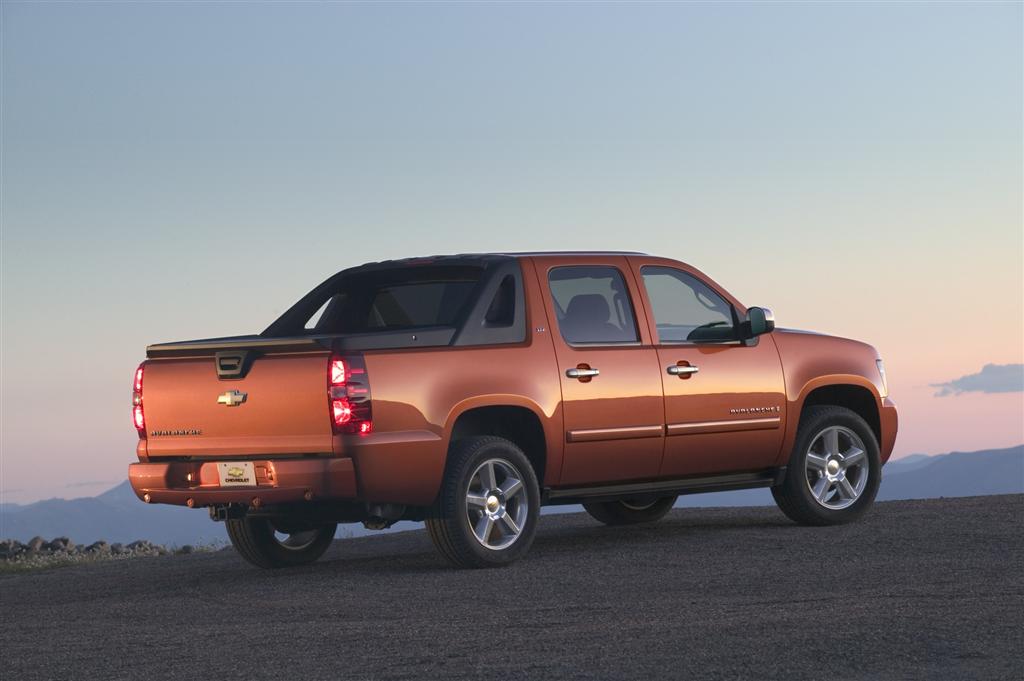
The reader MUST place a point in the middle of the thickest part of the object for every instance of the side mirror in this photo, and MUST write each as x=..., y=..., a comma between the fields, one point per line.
x=760, y=320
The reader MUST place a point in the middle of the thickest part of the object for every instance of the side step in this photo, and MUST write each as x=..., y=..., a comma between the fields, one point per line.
x=711, y=483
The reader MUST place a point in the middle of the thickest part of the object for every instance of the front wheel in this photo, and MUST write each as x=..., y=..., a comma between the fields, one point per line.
x=486, y=513
x=630, y=511
x=274, y=543
x=834, y=470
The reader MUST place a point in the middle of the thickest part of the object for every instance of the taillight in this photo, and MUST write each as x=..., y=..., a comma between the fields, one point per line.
x=138, y=414
x=348, y=395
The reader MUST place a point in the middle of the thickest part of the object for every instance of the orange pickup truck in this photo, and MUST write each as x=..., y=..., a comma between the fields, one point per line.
x=469, y=390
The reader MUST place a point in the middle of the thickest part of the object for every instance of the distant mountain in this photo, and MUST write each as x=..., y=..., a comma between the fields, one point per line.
x=959, y=474
x=918, y=476
x=118, y=516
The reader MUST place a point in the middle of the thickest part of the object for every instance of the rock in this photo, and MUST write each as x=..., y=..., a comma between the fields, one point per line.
x=60, y=545
x=187, y=548
x=98, y=547
x=35, y=544
x=10, y=548
x=117, y=548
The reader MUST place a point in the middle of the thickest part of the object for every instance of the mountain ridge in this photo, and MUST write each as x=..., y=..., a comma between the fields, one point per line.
x=118, y=516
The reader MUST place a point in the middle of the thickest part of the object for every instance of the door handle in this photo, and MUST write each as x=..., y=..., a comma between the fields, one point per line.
x=582, y=373
x=682, y=370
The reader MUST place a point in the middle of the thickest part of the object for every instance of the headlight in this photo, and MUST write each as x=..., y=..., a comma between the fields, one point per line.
x=881, y=372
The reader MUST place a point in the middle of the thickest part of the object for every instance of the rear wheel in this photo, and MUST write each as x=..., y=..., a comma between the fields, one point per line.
x=275, y=543
x=834, y=470
x=486, y=514
x=630, y=511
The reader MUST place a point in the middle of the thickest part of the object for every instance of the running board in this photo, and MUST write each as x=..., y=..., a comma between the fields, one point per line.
x=711, y=483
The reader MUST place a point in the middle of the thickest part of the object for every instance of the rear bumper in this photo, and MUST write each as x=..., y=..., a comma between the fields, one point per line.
x=197, y=484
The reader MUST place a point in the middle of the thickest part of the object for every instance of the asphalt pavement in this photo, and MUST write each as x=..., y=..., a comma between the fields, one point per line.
x=916, y=590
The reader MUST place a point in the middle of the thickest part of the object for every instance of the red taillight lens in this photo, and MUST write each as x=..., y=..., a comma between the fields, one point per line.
x=138, y=413
x=348, y=395
x=342, y=411
x=337, y=371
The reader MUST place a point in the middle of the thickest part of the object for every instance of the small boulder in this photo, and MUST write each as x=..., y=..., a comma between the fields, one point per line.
x=98, y=547
x=59, y=545
x=187, y=548
x=35, y=544
x=9, y=548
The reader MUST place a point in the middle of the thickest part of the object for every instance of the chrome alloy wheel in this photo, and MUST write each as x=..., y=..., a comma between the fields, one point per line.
x=837, y=467
x=496, y=504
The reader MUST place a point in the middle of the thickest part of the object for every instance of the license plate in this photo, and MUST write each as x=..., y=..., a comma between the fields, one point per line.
x=237, y=474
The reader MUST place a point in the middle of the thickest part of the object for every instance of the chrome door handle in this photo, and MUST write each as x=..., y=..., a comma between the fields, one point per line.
x=681, y=370
x=582, y=373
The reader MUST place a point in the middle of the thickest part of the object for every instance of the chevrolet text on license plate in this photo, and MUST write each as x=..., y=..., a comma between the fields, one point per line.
x=237, y=474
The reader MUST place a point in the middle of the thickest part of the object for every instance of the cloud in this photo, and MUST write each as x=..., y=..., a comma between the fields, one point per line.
x=993, y=378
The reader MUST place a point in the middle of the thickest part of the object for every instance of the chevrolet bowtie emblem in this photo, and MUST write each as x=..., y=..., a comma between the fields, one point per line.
x=232, y=398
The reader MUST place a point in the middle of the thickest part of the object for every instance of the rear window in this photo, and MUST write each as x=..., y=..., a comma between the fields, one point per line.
x=389, y=300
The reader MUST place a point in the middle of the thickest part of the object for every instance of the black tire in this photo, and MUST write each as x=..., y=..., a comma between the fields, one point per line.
x=630, y=512
x=449, y=525
x=795, y=496
x=255, y=541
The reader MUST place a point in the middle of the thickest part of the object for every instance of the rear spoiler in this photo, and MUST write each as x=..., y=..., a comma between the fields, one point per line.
x=432, y=337
x=211, y=346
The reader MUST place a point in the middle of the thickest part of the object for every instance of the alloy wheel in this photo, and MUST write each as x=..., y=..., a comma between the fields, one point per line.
x=497, y=506
x=837, y=467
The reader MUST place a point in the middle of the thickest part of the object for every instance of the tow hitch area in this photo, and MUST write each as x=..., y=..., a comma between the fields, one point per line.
x=222, y=512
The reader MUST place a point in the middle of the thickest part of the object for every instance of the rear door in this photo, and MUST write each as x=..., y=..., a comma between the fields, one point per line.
x=611, y=384
x=724, y=399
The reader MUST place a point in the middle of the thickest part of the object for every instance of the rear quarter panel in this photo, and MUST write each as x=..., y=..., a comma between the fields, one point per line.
x=418, y=396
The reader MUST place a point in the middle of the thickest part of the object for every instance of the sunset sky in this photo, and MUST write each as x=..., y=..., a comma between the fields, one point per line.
x=174, y=171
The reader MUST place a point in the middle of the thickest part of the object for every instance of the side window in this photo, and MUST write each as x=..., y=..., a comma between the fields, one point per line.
x=502, y=310
x=592, y=305
x=685, y=309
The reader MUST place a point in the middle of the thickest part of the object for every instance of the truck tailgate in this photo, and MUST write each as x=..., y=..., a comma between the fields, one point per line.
x=279, y=407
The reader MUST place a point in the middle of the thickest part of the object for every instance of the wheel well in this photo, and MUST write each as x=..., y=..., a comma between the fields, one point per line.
x=852, y=397
x=518, y=424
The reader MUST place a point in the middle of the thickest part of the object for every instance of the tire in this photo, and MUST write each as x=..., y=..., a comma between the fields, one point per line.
x=479, y=496
x=629, y=512
x=816, y=491
x=256, y=541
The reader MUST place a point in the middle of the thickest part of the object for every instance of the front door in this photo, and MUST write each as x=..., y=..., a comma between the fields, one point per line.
x=611, y=384
x=724, y=398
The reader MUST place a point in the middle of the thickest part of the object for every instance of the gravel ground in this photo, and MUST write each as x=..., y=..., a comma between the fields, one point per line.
x=916, y=590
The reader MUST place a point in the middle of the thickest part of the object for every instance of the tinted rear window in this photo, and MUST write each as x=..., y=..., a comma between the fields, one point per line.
x=390, y=300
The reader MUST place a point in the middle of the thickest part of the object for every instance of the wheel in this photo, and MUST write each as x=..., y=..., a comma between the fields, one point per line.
x=630, y=511
x=272, y=543
x=486, y=513
x=834, y=470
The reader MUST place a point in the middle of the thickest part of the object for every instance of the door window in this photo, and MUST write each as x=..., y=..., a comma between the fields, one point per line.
x=592, y=305
x=685, y=309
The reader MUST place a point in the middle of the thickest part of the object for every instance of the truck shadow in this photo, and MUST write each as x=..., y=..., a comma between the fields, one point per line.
x=412, y=552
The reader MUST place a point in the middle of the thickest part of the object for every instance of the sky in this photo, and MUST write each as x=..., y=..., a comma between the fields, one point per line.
x=175, y=171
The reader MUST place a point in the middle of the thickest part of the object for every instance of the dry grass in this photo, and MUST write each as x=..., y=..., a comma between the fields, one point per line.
x=28, y=562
